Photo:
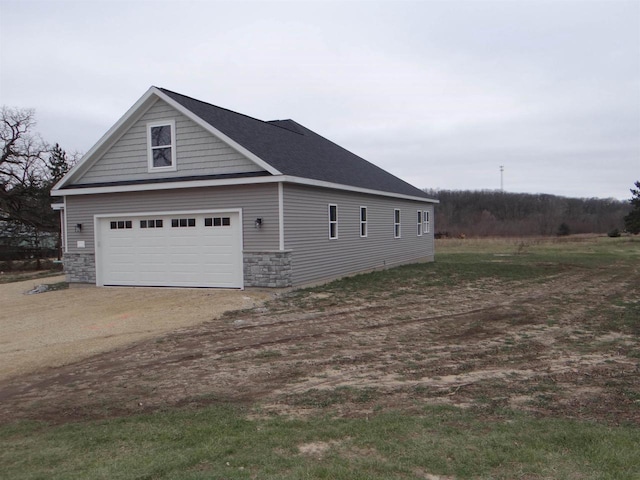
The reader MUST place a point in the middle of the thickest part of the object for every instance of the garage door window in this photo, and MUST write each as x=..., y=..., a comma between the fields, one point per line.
x=217, y=221
x=183, y=222
x=120, y=224
x=150, y=223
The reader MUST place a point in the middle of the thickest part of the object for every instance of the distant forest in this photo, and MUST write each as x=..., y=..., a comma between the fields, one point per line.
x=496, y=213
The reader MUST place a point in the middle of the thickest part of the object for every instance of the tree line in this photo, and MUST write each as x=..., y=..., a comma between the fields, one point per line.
x=29, y=168
x=497, y=213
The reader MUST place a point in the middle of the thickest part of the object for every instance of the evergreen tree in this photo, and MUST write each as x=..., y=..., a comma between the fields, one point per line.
x=632, y=221
x=58, y=164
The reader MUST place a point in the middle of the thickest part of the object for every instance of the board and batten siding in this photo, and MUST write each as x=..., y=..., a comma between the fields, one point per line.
x=198, y=152
x=254, y=200
x=315, y=257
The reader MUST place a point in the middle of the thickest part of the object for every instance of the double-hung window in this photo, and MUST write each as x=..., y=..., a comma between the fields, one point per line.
x=427, y=222
x=363, y=221
x=396, y=223
x=161, y=138
x=333, y=222
x=419, y=223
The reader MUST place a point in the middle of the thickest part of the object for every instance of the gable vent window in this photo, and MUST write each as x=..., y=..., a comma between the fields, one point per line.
x=162, y=151
x=333, y=222
x=120, y=225
x=396, y=223
x=217, y=221
x=183, y=222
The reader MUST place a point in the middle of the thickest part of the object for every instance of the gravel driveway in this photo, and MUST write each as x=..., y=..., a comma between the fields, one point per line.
x=59, y=327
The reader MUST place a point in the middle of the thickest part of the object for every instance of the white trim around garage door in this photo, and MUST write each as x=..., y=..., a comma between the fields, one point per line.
x=98, y=251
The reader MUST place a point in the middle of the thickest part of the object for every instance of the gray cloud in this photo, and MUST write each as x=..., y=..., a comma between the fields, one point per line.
x=439, y=93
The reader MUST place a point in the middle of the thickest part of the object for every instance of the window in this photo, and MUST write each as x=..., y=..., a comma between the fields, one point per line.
x=363, y=221
x=427, y=222
x=396, y=223
x=183, y=222
x=162, y=151
x=217, y=221
x=150, y=223
x=333, y=221
x=419, y=223
x=120, y=224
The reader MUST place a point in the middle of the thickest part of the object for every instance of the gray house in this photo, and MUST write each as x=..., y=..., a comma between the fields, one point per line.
x=182, y=193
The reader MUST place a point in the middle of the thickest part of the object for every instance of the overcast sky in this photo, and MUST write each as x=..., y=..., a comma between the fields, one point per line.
x=439, y=93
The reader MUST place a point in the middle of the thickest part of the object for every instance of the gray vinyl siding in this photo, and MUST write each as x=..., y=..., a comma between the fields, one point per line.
x=315, y=257
x=198, y=152
x=254, y=200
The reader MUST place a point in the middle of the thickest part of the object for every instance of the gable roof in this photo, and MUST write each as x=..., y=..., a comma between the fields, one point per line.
x=297, y=151
x=281, y=147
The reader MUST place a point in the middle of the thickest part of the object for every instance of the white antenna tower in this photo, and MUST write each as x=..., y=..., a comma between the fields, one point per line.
x=502, y=178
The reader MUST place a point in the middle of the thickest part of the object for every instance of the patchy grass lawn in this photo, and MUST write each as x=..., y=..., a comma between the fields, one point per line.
x=514, y=358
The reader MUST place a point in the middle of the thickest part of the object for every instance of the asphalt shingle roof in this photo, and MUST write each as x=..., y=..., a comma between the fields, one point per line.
x=295, y=150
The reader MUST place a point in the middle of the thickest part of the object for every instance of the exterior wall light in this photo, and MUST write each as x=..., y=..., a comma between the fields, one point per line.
x=78, y=227
x=258, y=222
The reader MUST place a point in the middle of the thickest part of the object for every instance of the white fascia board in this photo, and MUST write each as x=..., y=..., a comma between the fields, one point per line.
x=349, y=188
x=144, y=187
x=108, y=138
x=232, y=181
x=217, y=133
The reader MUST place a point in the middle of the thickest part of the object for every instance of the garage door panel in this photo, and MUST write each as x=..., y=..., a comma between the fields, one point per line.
x=200, y=255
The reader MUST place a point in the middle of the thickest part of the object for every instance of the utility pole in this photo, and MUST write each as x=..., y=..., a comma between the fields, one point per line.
x=502, y=178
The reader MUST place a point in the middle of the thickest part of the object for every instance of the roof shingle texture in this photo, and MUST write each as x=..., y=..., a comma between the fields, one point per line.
x=294, y=150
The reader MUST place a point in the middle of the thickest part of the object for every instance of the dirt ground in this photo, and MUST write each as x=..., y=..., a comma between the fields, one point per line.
x=538, y=346
x=59, y=327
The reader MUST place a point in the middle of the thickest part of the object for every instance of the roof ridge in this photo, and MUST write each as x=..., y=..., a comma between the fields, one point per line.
x=273, y=122
x=267, y=122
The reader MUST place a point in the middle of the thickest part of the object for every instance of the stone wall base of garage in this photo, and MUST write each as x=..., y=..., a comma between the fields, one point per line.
x=270, y=269
x=80, y=267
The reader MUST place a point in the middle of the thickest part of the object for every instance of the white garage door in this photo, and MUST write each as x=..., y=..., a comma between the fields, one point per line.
x=185, y=250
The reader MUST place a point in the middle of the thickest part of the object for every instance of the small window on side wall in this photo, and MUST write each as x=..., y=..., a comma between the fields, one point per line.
x=333, y=222
x=161, y=145
x=427, y=221
x=363, y=221
x=396, y=223
x=420, y=223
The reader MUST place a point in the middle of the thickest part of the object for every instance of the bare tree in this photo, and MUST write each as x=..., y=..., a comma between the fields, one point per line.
x=28, y=170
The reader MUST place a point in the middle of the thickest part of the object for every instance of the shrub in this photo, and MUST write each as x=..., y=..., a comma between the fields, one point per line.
x=563, y=230
x=614, y=233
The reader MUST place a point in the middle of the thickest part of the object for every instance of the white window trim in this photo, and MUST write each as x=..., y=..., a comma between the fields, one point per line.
x=364, y=222
x=332, y=221
x=161, y=123
x=397, y=229
x=426, y=221
x=420, y=222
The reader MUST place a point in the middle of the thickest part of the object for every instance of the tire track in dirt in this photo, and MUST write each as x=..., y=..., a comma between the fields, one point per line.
x=270, y=356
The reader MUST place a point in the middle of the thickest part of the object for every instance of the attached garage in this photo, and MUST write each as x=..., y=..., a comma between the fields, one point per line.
x=182, y=193
x=183, y=249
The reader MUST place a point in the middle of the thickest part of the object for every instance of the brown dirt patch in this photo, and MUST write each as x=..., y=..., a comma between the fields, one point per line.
x=535, y=346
